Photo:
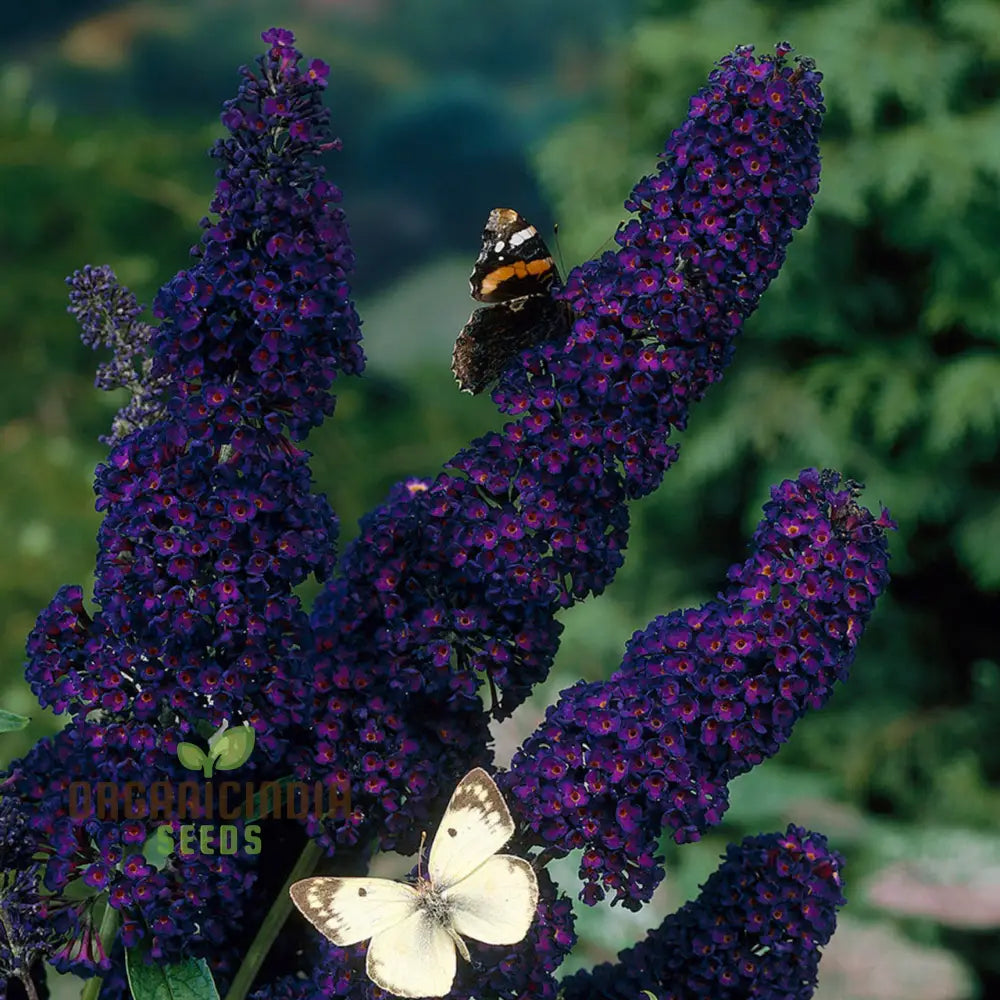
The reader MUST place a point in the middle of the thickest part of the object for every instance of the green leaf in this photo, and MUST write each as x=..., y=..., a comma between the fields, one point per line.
x=11, y=721
x=965, y=402
x=234, y=748
x=191, y=756
x=187, y=980
x=977, y=541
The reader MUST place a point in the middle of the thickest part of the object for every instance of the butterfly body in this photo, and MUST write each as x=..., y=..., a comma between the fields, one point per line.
x=415, y=930
x=515, y=272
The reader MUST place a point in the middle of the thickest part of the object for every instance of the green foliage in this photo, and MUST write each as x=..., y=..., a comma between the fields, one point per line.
x=74, y=193
x=187, y=980
x=875, y=351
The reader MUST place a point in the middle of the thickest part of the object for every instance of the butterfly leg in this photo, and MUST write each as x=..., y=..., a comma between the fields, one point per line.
x=460, y=944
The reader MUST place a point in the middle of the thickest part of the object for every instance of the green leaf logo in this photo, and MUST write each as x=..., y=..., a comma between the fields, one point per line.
x=233, y=748
x=227, y=750
x=193, y=757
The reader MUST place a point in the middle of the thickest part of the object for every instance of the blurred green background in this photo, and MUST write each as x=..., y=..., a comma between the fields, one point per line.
x=875, y=352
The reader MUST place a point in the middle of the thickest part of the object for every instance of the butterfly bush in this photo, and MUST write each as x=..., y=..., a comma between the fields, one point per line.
x=453, y=585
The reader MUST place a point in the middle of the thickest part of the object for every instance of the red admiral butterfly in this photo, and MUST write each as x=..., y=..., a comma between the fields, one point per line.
x=516, y=271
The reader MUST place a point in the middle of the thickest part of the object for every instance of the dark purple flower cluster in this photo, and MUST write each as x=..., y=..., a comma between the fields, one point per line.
x=209, y=525
x=657, y=320
x=265, y=317
x=32, y=923
x=16, y=847
x=703, y=695
x=209, y=519
x=199, y=554
x=24, y=938
x=455, y=583
x=108, y=315
x=754, y=932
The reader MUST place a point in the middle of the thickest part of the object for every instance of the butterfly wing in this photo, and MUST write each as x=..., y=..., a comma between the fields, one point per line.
x=495, y=335
x=496, y=903
x=513, y=261
x=348, y=910
x=415, y=958
x=475, y=826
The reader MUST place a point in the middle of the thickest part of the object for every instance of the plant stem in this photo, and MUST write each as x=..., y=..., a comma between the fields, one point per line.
x=269, y=929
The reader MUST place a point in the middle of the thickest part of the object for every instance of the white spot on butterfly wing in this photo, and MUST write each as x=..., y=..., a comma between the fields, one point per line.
x=522, y=235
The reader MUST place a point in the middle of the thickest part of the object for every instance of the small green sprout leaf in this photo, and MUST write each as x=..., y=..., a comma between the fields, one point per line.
x=193, y=758
x=233, y=748
x=11, y=721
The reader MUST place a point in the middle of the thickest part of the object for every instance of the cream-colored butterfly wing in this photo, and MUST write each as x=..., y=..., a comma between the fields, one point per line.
x=415, y=958
x=349, y=910
x=496, y=903
x=475, y=826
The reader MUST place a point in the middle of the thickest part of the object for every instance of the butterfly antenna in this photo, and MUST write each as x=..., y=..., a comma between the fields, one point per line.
x=599, y=249
x=555, y=243
x=420, y=856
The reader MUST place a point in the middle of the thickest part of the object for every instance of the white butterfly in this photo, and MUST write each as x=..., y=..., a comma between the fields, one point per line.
x=415, y=930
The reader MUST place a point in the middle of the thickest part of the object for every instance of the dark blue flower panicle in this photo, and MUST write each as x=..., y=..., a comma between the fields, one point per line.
x=704, y=695
x=266, y=314
x=658, y=318
x=755, y=930
x=210, y=522
x=25, y=935
x=454, y=583
x=34, y=923
x=209, y=525
x=28, y=931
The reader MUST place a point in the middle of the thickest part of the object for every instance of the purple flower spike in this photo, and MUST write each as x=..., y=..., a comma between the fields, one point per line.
x=705, y=694
x=108, y=315
x=659, y=317
x=209, y=520
x=755, y=930
x=457, y=581
x=266, y=311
